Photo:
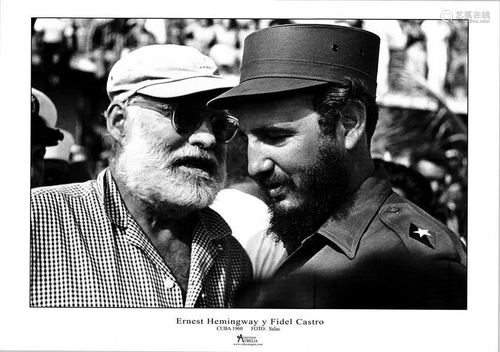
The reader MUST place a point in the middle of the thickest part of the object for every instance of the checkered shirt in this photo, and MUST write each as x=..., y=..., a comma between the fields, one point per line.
x=88, y=251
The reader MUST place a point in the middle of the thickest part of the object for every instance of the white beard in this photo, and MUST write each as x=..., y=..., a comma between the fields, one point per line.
x=144, y=164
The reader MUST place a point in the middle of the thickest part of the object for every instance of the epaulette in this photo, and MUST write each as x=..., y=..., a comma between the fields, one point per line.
x=420, y=232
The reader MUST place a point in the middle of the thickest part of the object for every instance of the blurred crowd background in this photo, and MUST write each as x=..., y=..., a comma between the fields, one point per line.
x=422, y=92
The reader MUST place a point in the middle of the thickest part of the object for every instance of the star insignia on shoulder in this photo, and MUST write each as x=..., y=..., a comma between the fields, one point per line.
x=422, y=232
x=423, y=236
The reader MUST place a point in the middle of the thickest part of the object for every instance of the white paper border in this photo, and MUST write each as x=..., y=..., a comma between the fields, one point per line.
x=22, y=328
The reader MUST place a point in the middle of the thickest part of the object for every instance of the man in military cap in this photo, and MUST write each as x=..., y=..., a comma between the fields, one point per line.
x=306, y=101
x=141, y=234
x=43, y=133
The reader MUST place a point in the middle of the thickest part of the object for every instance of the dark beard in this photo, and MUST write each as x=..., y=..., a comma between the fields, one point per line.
x=325, y=185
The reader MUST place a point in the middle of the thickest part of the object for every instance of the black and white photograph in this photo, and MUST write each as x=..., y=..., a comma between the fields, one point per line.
x=150, y=229
x=316, y=174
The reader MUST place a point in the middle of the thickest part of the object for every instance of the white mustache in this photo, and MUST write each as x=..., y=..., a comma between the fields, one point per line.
x=200, y=156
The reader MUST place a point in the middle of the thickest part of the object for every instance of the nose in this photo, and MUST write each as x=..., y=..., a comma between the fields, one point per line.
x=203, y=136
x=258, y=162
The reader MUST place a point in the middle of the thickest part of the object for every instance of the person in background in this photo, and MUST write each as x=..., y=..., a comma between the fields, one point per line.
x=433, y=164
x=57, y=161
x=64, y=163
x=43, y=133
x=243, y=207
x=391, y=38
x=415, y=61
x=409, y=183
x=53, y=34
x=142, y=234
x=306, y=101
x=437, y=34
x=266, y=254
x=248, y=218
x=79, y=168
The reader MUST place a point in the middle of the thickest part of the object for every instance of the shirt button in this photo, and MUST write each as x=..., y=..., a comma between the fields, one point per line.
x=393, y=209
x=169, y=283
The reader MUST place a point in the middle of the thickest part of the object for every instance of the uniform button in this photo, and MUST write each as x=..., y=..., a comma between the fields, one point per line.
x=393, y=209
x=169, y=283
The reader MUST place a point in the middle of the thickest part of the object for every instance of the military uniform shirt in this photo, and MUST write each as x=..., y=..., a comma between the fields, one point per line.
x=387, y=253
x=88, y=251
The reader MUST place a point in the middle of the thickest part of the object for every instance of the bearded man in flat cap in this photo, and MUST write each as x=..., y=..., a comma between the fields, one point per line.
x=306, y=101
x=141, y=234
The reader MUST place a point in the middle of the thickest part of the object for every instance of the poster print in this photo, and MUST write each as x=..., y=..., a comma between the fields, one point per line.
x=234, y=324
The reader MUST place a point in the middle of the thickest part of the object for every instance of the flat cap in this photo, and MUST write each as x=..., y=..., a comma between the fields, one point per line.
x=290, y=57
x=164, y=71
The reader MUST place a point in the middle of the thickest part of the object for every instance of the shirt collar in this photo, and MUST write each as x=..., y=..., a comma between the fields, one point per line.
x=215, y=226
x=347, y=232
x=107, y=190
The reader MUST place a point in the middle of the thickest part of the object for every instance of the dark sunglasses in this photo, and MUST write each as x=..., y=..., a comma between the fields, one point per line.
x=186, y=120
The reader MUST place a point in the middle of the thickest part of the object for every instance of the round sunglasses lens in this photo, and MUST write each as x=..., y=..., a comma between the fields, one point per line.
x=186, y=119
x=224, y=129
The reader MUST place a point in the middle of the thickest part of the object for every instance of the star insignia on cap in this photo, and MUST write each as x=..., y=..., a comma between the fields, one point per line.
x=422, y=235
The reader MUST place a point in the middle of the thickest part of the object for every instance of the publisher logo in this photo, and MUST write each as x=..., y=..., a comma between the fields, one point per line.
x=242, y=340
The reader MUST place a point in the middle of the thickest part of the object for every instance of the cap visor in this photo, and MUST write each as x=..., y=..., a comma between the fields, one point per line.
x=253, y=89
x=186, y=86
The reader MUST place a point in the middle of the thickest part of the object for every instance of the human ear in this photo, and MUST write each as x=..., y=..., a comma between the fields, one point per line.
x=115, y=119
x=354, y=122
